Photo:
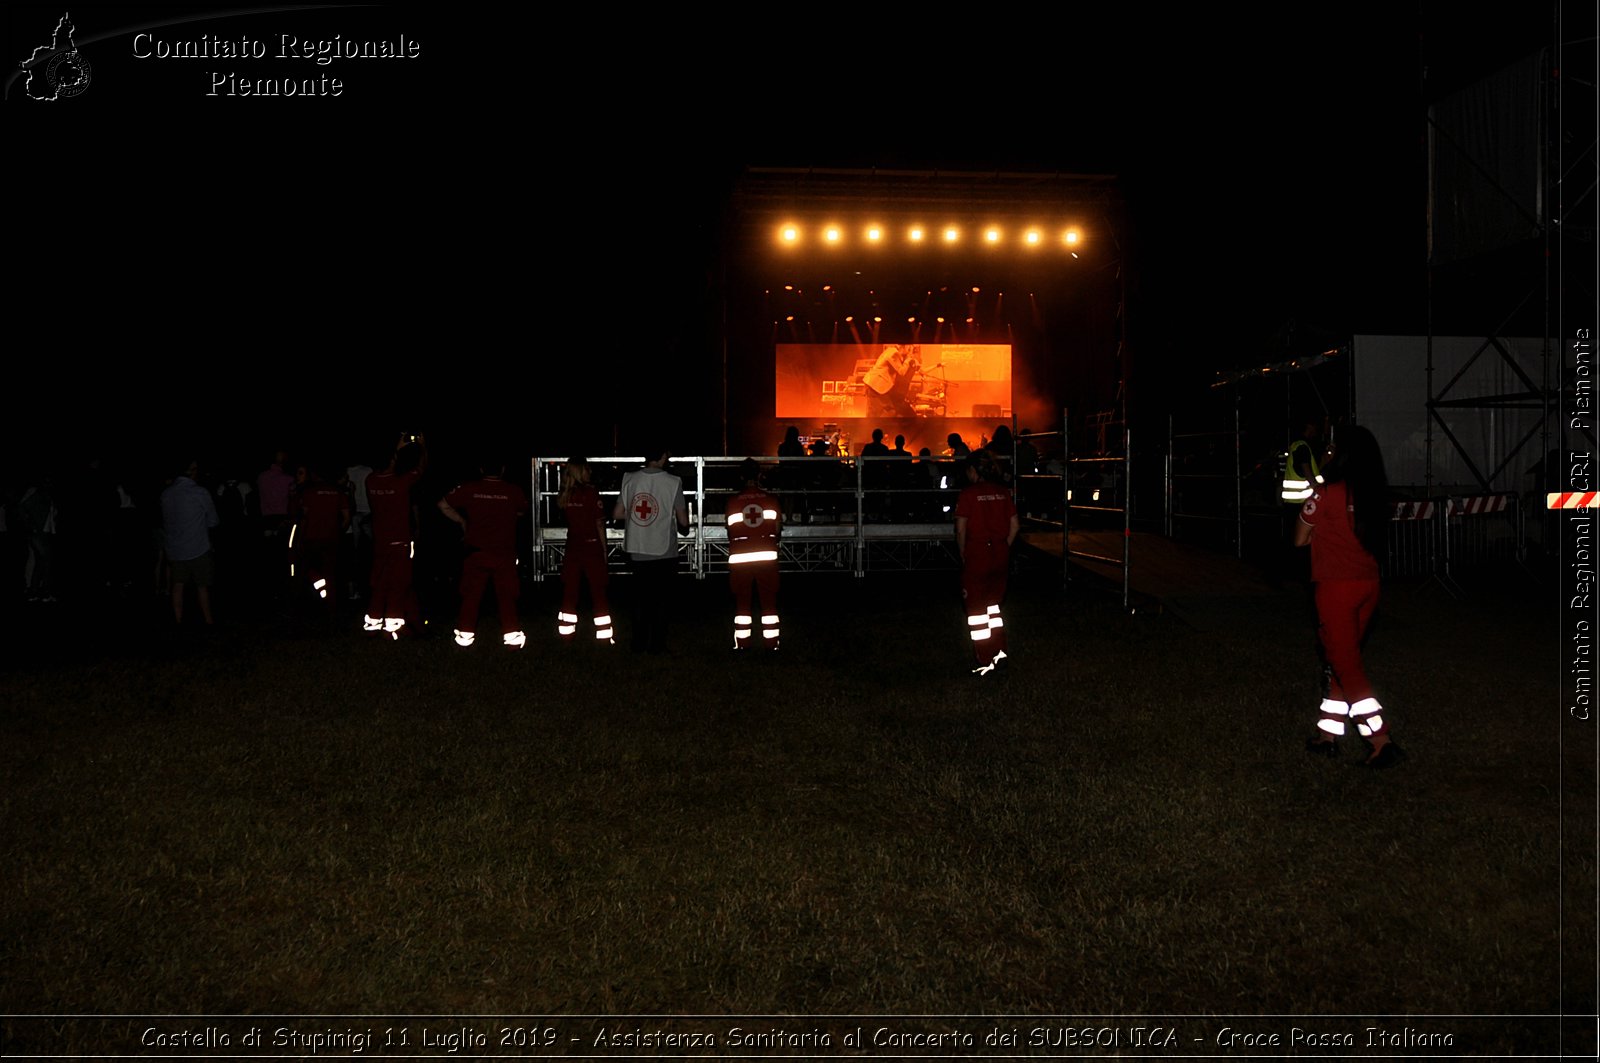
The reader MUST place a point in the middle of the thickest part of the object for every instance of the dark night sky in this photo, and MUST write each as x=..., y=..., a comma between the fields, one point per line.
x=231, y=276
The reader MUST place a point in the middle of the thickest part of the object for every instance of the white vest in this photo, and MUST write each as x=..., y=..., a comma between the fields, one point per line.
x=649, y=498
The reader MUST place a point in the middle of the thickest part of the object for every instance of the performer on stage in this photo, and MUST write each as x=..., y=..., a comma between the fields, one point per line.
x=889, y=380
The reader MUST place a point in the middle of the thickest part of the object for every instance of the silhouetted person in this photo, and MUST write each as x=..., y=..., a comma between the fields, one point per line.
x=187, y=517
x=321, y=512
x=274, y=487
x=392, y=609
x=585, y=559
x=488, y=508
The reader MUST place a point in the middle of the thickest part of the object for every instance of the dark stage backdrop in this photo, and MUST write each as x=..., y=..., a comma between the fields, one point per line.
x=510, y=227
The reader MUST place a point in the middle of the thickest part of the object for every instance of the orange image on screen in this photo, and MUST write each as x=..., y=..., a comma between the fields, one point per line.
x=891, y=380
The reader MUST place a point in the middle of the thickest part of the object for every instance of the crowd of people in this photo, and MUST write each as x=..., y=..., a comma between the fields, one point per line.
x=304, y=536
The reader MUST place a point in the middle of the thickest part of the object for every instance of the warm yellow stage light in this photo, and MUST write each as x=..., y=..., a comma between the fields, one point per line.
x=992, y=235
x=911, y=320
x=976, y=289
x=1032, y=237
x=876, y=320
x=831, y=234
x=849, y=319
x=940, y=320
x=915, y=234
x=789, y=318
x=874, y=233
x=951, y=235
x=789, y=234
x=1071, y=237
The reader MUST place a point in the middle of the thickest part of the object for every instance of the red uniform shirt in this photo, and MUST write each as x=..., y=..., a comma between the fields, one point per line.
x=584, y=512
x=988, y=509
x=317, y=510
x=491, y=508
x=389, y=495
x=1336, y=553
x=749, y=525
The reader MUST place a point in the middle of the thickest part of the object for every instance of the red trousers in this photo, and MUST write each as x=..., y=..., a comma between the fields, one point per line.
x=477, y=570
x=983, y=586
x=761, y=578
x=584, y=563
x=1344, y=609
x=393, y=596
x=315, y=561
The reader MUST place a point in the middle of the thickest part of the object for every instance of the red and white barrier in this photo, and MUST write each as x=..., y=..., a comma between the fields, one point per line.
x=1573, y=500
x=1456, y=507
x=1412, y=511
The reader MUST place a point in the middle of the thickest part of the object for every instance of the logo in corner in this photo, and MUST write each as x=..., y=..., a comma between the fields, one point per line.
x=57, y=70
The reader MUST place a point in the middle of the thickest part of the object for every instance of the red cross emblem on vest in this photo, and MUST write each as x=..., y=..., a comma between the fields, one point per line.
x=645, y=508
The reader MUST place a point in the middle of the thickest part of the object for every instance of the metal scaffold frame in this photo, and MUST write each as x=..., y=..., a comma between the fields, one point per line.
x=860, y=526
x=837, y=524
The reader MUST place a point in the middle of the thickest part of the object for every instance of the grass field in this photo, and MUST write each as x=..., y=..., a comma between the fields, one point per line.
x=284, y=817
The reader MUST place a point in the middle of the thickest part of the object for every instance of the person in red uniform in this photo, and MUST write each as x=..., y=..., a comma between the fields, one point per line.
x=1344, y=522
x=321, y=513
x=392, y=609
x=754, y=521
x=488, y=508
x=986, y=526
x=585, y=560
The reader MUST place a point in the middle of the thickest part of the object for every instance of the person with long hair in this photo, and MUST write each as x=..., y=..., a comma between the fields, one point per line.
x=986, y=526
x=1345, y=522
x=585, y=561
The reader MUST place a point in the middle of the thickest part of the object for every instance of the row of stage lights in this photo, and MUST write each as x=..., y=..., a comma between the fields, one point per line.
x=877, y=319
x=792, y=234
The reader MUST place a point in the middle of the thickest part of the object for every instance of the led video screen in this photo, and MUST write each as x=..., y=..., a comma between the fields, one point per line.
x=892, y=380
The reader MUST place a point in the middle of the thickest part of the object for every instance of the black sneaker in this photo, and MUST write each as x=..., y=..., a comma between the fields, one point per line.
x=1387, y=757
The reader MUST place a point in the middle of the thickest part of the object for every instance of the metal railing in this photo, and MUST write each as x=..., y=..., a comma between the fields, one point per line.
x=1453, y=536
x=845, y=514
